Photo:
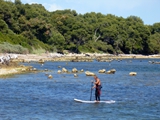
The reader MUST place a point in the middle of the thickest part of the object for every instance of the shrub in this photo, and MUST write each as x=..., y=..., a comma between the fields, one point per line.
x=9, y=48
x=38, y=51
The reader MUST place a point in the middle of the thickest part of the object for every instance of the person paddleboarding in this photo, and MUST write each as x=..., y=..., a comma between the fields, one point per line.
x=97, y=86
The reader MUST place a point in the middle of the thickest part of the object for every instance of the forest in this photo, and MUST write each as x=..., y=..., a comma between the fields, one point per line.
x=26, y=28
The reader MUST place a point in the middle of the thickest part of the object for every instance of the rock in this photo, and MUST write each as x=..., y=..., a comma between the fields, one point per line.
x=89, y=73
x=41, y=61
x=74, y=70
x=112, y=71
x=34, y=69
x=75, y=75
x=23, y=70
x=59, y=71
x=102, y=71
x=50, y=76
x=64, y=70
x=132, y=73
x=82, y=70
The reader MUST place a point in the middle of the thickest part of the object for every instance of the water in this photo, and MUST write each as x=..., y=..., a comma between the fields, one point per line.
x=33, y=96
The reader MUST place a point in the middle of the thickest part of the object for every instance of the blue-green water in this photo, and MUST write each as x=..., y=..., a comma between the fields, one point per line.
x=35, y=97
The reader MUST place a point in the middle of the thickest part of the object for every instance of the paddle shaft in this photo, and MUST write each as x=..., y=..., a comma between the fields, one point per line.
x=91, y=92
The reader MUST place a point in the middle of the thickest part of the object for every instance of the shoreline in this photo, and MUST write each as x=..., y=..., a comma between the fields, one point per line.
x=88, y=57
x=69, y=57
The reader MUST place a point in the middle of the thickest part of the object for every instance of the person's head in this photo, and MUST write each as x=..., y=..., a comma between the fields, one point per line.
x=95, y=77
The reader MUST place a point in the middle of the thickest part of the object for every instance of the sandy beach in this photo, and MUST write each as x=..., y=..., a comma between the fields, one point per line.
x=41, y=58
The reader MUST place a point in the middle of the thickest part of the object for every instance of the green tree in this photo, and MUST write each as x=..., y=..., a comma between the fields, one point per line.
x=154, y=43
x=57, y=41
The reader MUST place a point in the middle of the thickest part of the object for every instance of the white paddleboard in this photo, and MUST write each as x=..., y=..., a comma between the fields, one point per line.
x=84, y=101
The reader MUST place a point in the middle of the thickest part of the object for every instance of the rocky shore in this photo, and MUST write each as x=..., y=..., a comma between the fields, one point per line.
x=13, y=68
x=41, y=58
x=78, y=57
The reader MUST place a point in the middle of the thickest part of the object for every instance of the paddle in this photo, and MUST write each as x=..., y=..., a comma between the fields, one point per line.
x=91, y=92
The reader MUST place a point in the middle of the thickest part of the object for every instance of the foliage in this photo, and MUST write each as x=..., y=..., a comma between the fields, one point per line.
x=38, y=51
x=9, y=48
x=154, y=43
x=34, y=28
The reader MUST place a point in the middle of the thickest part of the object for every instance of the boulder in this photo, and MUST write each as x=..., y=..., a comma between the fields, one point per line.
x=82, y=70
x=74, y=70
x=50, y=76
x=64, y=70
x=34, y=69
x=75, y=75
x=41, y=61
x=88, y=73
x=132, y=73
x=102, y=71
x=112, y=71
x=59, y=71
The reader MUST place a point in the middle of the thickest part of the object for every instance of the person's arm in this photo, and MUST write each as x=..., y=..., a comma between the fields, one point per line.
x=94, y=87
x=97, y=81
x=94, y=84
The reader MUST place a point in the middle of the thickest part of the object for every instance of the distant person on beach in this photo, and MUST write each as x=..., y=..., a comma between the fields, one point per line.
x=97, y=86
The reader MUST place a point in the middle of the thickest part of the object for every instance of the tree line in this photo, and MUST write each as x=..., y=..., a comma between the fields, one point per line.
x=32, y=27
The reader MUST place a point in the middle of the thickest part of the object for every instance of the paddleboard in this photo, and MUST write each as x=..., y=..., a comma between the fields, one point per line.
x=84, y=101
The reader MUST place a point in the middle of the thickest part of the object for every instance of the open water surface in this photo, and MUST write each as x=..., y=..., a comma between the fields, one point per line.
x=33, y=96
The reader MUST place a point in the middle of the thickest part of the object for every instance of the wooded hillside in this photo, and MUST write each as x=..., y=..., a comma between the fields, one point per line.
x=25, y=28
